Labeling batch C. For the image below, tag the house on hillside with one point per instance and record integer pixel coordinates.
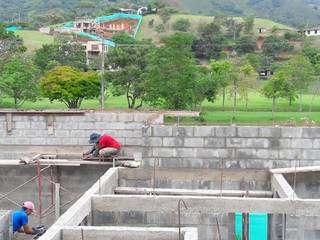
(315, 31)
(261, 30)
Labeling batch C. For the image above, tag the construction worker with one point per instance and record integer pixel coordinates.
(20, 220)
(104, 145)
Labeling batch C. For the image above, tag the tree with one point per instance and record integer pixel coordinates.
(66, 54)
(165, 14)
(222, 71)
(234, 28)
(171, 73)
(18, 80)
(129, 62)
(70, 85)
(277, 87)
(182, 25)
(302, 74)
(273, 46)
(245, 44)
(248, 24)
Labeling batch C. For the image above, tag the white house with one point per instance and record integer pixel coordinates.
(315, 31)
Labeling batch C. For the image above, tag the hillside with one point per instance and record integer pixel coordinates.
(147, 31)
(291, 12)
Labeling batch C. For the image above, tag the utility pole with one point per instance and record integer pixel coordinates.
(102, 77)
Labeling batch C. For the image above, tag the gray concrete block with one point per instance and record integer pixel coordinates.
(279, 143)
(313, 132)
(66, 125)
(126, 117)
(269, 132)
(30, 133)
(125, 133)
(21, 125)
(247, 131)
(69, 141)
(164, 152)
(133, 126)
(101, 125)
(301, 143)
(289, 154)
(172, 142)
(78, 133)
(186, 152)
(213, 153)
(290, 132)
(236, 142)
(109, 117)
(86, 125)
(193, 142)
(311, 154)
(62, 133)
(162, 131)
(267, 154)
(132, 217)
(38, 141)
(38, 125)
(257, 143)
(153, 141)
(215, 142)
(54, 141)
(204, 131)
(22, 141)
(83, 141)
(225, 131)
(146, 131)
(152, 218)
(316, 143)
(183, 131)
(141, 117)
(137, 133)
(245, 153)
(133, 141)
(117, 125)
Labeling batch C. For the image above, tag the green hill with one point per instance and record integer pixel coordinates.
(147, 31)
(34, 39)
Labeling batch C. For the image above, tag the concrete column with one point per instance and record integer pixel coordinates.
(57, 200)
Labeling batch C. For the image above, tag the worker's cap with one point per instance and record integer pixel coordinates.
(94, 138)
(29, 205)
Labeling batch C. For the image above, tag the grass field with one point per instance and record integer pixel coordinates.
(258, 112)
(33, 39)
(149, 32)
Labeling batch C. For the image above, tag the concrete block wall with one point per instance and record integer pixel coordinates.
(5, 225)
(69, 133)
(232, 147)
(302, 227)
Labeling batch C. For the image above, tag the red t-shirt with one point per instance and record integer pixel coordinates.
(106, 141)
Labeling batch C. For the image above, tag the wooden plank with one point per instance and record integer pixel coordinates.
(192, 192)
(117, 158)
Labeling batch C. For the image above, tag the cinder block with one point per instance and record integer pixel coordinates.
(204, 131)
(310, 154)
(209, 153)
(21, 125)
(83, 141)
(70, 141)
(117, 125)
(86, 125)
(236, 142)
(289, 132)
(141, 117)
(248, 131)
(257, 143)
(225, 131)
(153, 141)
(30, 133)
(269, 132)
(267, 154)
(193, 142)
(132, 217)
(152, 218)
(316, 143)
(313, 132)
(162, 131)
(186, 152)
(101, 125)
(38, 141)
(126, 117)
(133, 126)
(246, 153)
(279, 143)
(301, 143)
(61, 133)
(78, 133)
(146, 131)
(54, 141)
(289, 154)
(66, 125)
(133, 141)
(22, 141)
(125, 133)
(137, 133)
(215, 142)
(185, 131)
(164, 152)
(38, 125)
(172, 142)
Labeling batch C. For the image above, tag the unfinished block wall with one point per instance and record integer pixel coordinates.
(233, 147)
(5, 225)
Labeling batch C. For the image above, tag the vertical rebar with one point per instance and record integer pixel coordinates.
(82, 234)
(221, 177)
(156, 161)
(218, 228)
(39, 190)
(179, 215)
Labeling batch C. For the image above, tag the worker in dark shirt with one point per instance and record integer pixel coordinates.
(104, 145)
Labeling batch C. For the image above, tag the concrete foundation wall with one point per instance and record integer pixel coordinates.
(302, 227)
(232, 147)
(5, 225)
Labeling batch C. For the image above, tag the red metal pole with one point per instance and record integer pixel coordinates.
(39, 190)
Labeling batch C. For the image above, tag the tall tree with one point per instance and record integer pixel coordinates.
(248, 24)
(171, 73)
(19, 80)
(274, 45)
(70, 85)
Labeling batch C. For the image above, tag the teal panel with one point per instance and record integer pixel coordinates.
(258, 228)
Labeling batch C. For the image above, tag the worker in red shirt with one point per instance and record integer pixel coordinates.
(104, 145)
